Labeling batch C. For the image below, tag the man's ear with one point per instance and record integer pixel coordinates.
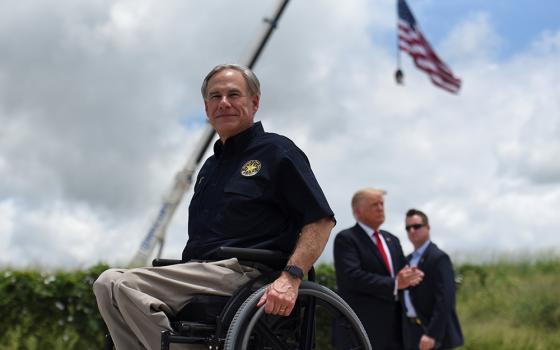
(255, 101)
(206, 109)
(356, 213)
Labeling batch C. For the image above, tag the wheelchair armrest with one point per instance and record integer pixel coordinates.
(272, 258)
(165, 262)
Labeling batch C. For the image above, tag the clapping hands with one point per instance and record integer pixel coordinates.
(409, 276)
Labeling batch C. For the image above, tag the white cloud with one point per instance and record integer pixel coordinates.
(7, 212)
(100, 106)
(474, 39)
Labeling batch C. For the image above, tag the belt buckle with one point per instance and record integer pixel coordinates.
(415, 320)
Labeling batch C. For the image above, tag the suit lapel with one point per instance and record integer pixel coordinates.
(367, 241)
(425, 256)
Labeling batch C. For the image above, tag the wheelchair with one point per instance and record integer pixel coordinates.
(235, 323)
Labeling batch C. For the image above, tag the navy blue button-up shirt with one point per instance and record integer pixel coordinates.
(256, 191)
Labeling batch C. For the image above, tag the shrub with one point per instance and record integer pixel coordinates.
(49, 310)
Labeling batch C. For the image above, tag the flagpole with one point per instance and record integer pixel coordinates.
(399, 75)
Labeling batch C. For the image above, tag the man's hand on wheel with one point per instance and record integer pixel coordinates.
(280, 296)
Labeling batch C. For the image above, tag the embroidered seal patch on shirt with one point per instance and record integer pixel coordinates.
(250, 168)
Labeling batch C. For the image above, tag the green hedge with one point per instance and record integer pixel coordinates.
(57, 310)
(42, 310)
(508, 305)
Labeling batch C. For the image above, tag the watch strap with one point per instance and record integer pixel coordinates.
(294, 271)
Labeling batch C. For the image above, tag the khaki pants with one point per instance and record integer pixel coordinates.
(135, 303)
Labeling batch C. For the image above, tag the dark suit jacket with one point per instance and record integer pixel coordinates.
(364, 282)
(434, 299)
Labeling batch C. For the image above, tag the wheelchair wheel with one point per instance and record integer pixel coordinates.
(252, 328)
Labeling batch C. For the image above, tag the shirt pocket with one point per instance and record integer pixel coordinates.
(243, 208)
(244, 188)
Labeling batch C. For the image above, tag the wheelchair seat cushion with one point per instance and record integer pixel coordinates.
(202, 308)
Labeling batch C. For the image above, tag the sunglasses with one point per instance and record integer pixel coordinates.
(414, 226)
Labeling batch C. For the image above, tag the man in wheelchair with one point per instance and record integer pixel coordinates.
(256, 191)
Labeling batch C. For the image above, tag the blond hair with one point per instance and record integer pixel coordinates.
(358, 196)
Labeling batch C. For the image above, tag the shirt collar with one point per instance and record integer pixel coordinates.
(366, 228)
(420, 251)
(238, 142)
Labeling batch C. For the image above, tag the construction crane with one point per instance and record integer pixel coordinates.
(183, 179)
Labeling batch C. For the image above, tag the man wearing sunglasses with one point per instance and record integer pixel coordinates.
(430, 319)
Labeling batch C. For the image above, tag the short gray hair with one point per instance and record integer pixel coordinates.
(253, 83)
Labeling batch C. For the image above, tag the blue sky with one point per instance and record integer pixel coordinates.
(518, 22)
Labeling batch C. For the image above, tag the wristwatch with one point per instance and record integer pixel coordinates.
(294, 271)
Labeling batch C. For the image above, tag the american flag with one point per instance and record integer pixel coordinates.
(412, 40)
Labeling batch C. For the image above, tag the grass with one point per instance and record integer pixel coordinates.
(510, 305)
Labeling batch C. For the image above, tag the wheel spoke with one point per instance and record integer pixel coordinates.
(308, 326)
(277, 343)
(250, 324)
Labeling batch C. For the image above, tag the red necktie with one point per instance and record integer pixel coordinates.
(382, 250)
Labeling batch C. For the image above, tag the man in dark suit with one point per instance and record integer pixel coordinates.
(370, 269)
(430, 320)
